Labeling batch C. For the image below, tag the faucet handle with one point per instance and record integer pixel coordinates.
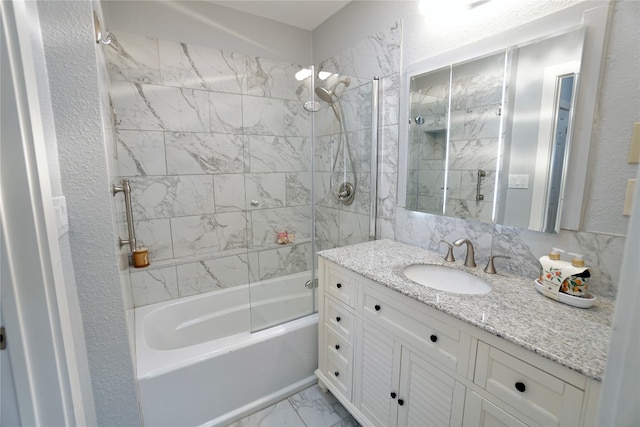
(490, 268)
(449, 257)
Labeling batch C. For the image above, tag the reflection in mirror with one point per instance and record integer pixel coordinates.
(538, 131)
(489, 137)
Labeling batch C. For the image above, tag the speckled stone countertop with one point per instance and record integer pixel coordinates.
(514, 310)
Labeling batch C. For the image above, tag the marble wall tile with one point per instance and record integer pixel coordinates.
(279, 154)
(204, 153)
(386, 228)
(327, 224)
(196, 67)
(155, 234)
(204, 276)
(474, 154)
(266, 223)
(194, 235)
(356, 107)
(603, 253)
(275, 79)
(297, 120)
(354, 228)
(133, 58)
(390, 100)
(387, 196)
(152, 107)
(469, 209)
(171, 196)
(154, 285)
(376, 55)
(141, 153)
(287, 259)
(475, 123)
(229, 192)
(298, 189)
(388, 155)
(263, 116)
(269, 189)
(225, 112)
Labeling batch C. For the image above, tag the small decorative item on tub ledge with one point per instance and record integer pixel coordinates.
(141, 257)
(285, 237)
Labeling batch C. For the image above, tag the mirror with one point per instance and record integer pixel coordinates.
(489, 137)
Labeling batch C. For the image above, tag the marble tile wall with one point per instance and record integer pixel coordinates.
(202, 134)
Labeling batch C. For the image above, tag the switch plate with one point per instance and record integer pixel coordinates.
(62, 219)
(634, 150)
(518, 180)
(628, 196)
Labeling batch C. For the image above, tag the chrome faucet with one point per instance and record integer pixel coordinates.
(469, 261)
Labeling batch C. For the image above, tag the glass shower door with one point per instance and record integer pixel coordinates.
(278, 187)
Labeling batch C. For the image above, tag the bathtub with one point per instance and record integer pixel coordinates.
(199, 364)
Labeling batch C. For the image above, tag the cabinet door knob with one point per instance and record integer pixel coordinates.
(520, 387)
(377, 307)
(400, 402)
(338, 285)
(433, 338)
(337, 318)
(336, 373)
(337, 346)
(393, 394)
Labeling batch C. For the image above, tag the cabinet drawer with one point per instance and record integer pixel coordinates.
(338, 318)
(340, 286)
(338, 373)
(337, 346)
(544, 398)
(437, 340)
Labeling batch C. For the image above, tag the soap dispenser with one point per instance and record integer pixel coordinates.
(578, 283)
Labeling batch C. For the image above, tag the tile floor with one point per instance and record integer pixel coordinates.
(308, 408)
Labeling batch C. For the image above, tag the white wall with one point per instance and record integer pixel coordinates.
(70, 50)
(204, 24)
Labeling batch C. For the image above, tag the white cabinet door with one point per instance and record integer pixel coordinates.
(479, 412)
(428, 396)
(376, 391)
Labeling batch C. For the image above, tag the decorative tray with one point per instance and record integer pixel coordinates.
(580, 302)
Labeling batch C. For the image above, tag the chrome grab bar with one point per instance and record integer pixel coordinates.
(126, 189)
(481, 174)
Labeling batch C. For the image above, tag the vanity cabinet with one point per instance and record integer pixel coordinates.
(394, 361)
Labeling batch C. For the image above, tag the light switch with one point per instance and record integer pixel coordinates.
(628, 196)
(634, 150)
(518, 180)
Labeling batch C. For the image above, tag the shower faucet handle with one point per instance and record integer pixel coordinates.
(449, 257)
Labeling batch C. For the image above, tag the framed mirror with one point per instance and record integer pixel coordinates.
(492, 130)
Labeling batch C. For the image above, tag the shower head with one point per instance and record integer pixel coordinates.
(327, 95)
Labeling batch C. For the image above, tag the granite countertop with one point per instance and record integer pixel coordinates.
(514, 310)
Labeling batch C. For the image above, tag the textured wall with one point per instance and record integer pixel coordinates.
(71, 59)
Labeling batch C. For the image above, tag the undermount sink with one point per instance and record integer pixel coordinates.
(446, 279)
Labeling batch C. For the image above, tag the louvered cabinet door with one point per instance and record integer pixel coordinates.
(430, 397)
(379, 368)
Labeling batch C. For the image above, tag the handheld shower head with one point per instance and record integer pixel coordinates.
(327, 95)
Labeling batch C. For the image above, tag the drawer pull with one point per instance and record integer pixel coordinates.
(433, 338)
(520, 387)
(337, 318)
(400, 402)
(338, 285)
(336, 373)
(393, 394)
(377, 307)
(337, 346)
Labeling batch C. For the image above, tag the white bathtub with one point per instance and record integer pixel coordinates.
(199, 364)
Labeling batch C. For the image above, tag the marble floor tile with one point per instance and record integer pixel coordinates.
(281, 414)
(316, 408)
(308, 408)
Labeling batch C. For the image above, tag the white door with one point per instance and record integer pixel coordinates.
(31, 281)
